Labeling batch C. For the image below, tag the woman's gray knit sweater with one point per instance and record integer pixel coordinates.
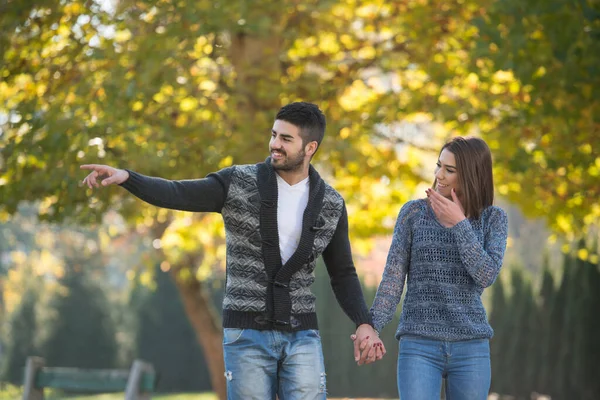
(446, 270)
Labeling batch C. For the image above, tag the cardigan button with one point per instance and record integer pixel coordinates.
(261, 320)
(294, 322)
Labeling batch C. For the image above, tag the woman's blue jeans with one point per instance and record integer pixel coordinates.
(423, 364)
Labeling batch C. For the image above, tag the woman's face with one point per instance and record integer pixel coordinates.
(446, 175)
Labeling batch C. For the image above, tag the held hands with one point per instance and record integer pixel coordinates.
(109, 175)
(368, 348)
(448, 212)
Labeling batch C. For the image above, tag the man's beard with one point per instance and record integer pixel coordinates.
(289, 163)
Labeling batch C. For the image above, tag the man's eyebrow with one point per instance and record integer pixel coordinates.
(285, 135)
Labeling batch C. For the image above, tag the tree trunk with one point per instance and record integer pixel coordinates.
(256, 95)
(256, 60)
(200, 313)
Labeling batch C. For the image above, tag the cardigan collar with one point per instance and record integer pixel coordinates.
(279, 275)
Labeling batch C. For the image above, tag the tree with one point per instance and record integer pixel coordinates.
(21, 338)
(547, 352)
(82, 333)
(179, 89)
(344, 377)
(165, 338)
(518, 350)
(546, 56)
(583, 352)
(499, 344)
(546, 345)
(593, 325)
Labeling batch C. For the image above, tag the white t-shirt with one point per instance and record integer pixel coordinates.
(292, 201)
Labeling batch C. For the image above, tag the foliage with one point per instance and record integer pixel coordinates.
(500, 342)
(344, 377)
(181, 89)
(547, 57)
(10, 392)
(21, 338)
(81, 331)
(544, 341)
(165, 338)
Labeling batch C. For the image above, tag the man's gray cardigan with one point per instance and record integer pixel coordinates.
(260, 292)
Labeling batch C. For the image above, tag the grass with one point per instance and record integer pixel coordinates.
(16, 393)
(13, 393)
(10, 392)
(119, 396)
(185, 396)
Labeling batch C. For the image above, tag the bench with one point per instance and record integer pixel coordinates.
(137, 383)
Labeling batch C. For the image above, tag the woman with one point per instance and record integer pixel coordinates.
(448, 248)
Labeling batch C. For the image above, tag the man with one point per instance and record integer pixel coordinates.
(280, 216)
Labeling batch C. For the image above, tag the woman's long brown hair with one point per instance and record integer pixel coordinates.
(474, 168)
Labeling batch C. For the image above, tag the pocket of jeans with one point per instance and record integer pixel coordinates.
(232, 335)
(316, 333)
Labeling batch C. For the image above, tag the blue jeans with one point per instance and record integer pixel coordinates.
(262, 364)
(423, 363)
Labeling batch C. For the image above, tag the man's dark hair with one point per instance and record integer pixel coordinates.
(307, 117)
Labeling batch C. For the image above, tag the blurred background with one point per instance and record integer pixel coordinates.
(178, 89)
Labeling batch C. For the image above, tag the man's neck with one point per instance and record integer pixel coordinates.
(293, 177)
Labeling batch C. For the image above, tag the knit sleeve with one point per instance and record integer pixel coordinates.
(204, 195)
(344, 280)
(390, 289)
(483, 262)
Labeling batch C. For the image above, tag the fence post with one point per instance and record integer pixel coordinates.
(132, 391)
(30, 392)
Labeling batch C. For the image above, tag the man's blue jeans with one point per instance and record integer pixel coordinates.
(423, 363)
(262, 364)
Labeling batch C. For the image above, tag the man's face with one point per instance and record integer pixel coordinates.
(287, 150)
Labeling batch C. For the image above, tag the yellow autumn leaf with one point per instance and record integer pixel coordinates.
(367, 53)
(159, 98)
(226, 162)
(188, 104)
(182, 120)
(208, 86)
(586, 148)
(122, 36)
(137, 106)
(63, 30)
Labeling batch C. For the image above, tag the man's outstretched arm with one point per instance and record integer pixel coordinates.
(207, 194)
